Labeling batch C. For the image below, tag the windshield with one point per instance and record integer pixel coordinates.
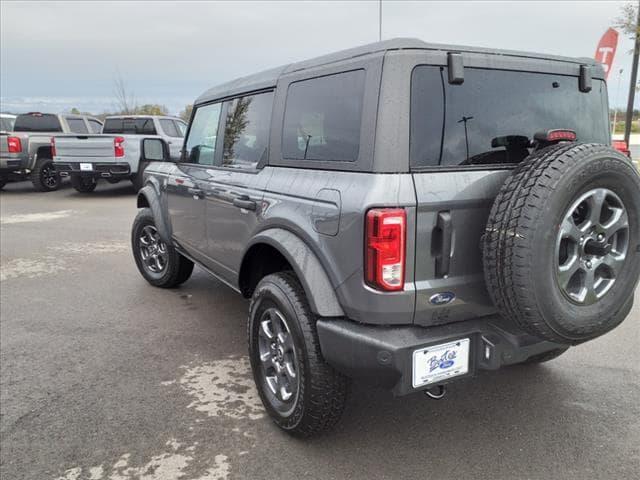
(492, 117)
(37, 122)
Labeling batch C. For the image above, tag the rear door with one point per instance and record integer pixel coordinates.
(187, 184)
(464, 141)
(236, 186)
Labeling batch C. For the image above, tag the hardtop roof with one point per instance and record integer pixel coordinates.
(268, 78)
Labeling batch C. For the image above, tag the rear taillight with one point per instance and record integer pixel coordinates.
(385, 248)
(118, 146)
(53, 147)
(14, 145)
(621, 146)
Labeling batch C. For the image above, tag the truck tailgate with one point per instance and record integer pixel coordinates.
(85, 146)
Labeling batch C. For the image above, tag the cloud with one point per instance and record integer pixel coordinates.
(171, 52)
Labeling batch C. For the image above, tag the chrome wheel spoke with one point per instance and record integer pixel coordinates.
(570, 230)
(619, 222)
(566, 273)
(614, 263)
(596, 202)
(592, 246)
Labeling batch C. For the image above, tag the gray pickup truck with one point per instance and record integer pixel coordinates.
(114, 154)
(26, 151)
(404, 213)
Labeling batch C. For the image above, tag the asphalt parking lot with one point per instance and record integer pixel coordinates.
(105, 377)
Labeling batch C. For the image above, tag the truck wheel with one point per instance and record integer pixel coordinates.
(546, 356)
(160, 264)
(561, 250)
(83, 184)
(301, 392)
(44, 176)
(3, 182)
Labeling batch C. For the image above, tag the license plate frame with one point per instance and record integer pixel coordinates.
(437, 363)
(86, 167)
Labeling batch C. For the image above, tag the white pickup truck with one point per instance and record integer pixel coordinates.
(114, 154)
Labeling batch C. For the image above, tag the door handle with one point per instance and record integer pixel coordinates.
(245, 202)
(196, 192)
(441, 243)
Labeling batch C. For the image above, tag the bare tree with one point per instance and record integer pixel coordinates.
(124, 98)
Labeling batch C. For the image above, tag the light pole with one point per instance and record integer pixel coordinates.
(634, 79)
(615, 109)
(380, 21)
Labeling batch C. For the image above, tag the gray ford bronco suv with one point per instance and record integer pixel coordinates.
(401, 212)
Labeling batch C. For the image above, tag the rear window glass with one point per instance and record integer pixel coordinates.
(322, 118)
(37, 122)
(136, 126)
(77, 125)
(169, 128)
(492, 116)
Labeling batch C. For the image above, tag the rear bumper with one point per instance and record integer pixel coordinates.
(11, 163)
(98, 169)
(384, 355)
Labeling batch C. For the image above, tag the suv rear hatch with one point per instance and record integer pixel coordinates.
(464, 141)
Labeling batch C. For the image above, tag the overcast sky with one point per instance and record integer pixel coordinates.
(55, 56)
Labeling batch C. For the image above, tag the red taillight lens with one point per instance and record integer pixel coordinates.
(385, 243)
(53, 147)
(621, 146)
(118, 146)
(14, 145)
(561, 135)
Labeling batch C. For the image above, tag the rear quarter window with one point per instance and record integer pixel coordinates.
(37, 122)
(323, 117)
(491, 117)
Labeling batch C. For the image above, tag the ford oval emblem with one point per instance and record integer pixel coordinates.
(442, 298)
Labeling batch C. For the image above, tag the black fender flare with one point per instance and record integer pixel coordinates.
(315, 281)
(150, 198)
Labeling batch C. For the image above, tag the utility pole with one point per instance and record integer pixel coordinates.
(634, 80)
(380, 21)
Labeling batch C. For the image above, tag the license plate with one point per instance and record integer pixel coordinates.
(440, 362)
(86, 167)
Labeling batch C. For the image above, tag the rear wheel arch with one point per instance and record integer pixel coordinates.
(276, 250)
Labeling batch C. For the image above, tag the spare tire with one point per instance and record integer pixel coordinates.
(561, 251)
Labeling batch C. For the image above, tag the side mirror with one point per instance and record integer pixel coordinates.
(154, 150)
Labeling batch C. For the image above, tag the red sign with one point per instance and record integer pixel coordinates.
(607, 49)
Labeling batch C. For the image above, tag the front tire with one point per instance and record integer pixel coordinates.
(84, 184)
(160, 264)
(301, 392)
(44, 176)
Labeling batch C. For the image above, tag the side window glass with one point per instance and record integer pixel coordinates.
(77, 125)
(201, 142)
(181, 127)
(246, 133)
(96, 127)
(168, 127)
(323, 116)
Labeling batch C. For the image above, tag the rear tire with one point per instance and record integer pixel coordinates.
(560, 252)
(44, 176)
(160, 264)
(84, 184)
(317, 393)
(3, 182)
